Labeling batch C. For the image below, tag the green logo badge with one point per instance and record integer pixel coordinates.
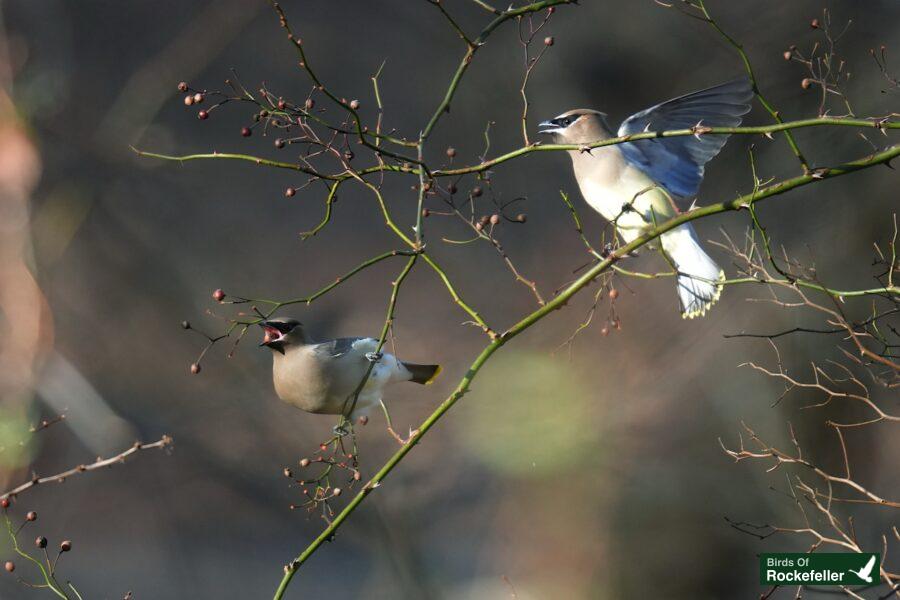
(827, 568)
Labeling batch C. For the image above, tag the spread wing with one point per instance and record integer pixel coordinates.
(677, 163)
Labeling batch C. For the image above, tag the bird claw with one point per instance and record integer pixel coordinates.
(374, 356)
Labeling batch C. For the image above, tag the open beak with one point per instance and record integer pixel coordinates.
(547, 127)
(272, 333)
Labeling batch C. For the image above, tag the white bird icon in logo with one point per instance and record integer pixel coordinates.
(866, 572)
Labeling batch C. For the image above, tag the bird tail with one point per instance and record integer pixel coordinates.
(424, 374)
(699, 277)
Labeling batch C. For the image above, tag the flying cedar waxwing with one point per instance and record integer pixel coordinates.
(322, 377)
(637, 184)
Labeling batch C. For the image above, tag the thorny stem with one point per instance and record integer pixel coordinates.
(879, 124)
(762, 99)
(741, 202)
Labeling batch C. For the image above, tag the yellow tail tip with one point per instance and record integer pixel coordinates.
(436, 373)
(701, 312)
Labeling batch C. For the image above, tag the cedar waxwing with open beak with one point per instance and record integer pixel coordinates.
(637, 184)
(322, 377)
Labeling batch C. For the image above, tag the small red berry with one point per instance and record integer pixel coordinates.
(203, 115)
(451, 152)
(188, 100)
(451, 189)
(4, 503)
(304, 462)
(31, 516)
(425, 213)
(41, 542)
(604, 331)
(198, 98)
(787, 55)
(195, 368)
(290, 192)
(281, 105)
(548, 41)
(10, 566)
(354, 104)
(218, 295)
(246, 131)
(182, 87)
(337, 491)
(613, 294)
(476, 191)
(814, 23)
(309, 104)
(279, 143)
(65, 546)
(806, 83)
(495, 219)
(521, 218)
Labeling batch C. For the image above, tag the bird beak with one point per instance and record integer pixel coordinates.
(272, 333)
(547, 127)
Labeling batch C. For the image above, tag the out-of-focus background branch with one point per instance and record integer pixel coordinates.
(561, 470)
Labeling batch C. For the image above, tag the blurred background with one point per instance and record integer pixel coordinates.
(586, 472)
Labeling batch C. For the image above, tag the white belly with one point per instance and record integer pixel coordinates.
(627, 198)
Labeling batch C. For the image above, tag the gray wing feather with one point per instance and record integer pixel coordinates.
(339, 347)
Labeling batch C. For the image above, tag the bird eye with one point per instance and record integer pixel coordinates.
(566, 122)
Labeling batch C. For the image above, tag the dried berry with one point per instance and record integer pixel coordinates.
(31, 516)
(309, 104)
(521, 218)
(195, 368)
(281, 105)
(290, 192)
(198, 98)
(188, 100)
(41, 542)
(182, 87)
(354, 104)
(451, 188)
(613, 294)
(185, 325)
(337, 491)
(787, 55)
(10, 566)
(495, 219)
(548, 41)
(451, 152)
(218, 295)
(476, 191)
(304, 462)
(65, 546)
(814, 23)
(806, 83)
